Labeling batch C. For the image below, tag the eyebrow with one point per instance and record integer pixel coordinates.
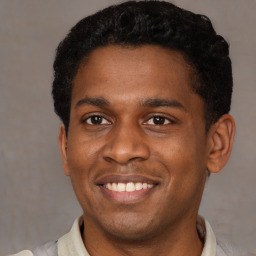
(157, 102)
(98, 102)
(151, 102)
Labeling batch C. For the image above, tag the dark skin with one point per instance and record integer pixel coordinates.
(135, 119)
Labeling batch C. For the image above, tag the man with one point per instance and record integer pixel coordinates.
(143, 90)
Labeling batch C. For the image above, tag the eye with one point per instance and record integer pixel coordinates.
(96, 120)
(159, 120)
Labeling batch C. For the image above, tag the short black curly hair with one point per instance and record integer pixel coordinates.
(137, 23)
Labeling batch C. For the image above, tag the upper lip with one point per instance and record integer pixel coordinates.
(118, 178)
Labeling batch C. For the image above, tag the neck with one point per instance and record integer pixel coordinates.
(180, 240)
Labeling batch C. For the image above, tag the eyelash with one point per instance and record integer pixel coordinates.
(162, 119)
(85, 120)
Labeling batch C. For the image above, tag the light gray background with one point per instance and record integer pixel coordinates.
(37, 201)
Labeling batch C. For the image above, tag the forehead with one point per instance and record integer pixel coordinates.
(144, 70)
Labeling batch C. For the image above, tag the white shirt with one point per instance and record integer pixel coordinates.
(71, 244)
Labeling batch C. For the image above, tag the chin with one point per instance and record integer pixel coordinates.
(129, 234)
(130, 229)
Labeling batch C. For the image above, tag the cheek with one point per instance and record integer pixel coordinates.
(82, 159)
(184, 159)
(82, 153)
(81, 172)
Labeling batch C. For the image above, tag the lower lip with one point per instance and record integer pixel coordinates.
(126, 197)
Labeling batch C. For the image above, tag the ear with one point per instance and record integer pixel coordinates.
(221, 137)
(63, 149)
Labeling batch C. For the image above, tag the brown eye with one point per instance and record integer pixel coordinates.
(96, 120)
(158, 120)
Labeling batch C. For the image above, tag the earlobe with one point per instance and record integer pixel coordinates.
(63, 149)
(221, 137)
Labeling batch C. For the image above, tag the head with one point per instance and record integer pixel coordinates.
(143, 90)
(159, 23)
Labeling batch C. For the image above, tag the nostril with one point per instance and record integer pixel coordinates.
(125, 157)
(108, 159)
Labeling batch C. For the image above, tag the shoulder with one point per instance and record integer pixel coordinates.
(225, 249)
(49, 249)
(23, 253)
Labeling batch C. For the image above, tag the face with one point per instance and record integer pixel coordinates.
(136, 150)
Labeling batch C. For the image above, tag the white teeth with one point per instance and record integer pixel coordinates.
(114, 186)
(109, 186)
(128, 187)
(144, 185)
(120, 187)
(138, 186)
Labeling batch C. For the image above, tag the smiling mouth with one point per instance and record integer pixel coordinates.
(128, 187)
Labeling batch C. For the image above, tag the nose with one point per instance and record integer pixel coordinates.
(126, 144)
